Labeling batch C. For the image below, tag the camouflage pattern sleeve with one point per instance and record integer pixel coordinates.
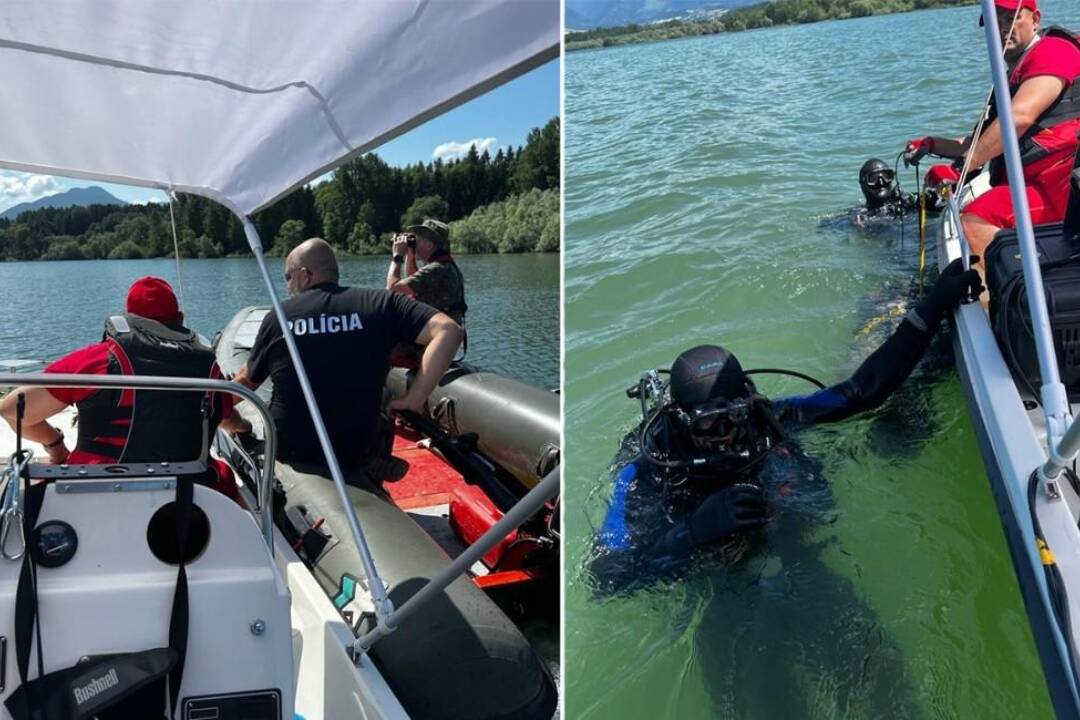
(438, 285)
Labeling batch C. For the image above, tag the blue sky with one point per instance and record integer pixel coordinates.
(502, 117)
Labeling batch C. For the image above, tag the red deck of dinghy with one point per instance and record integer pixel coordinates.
(433, 485)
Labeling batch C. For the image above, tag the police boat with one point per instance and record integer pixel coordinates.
(1019, 366)
(484, 442)
(131, 590)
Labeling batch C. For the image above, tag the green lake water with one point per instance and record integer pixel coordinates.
(49, 308)
(706, 187)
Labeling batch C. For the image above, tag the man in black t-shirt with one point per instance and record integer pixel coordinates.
(345, 336)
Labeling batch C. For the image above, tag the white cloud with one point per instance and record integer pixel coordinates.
(18, 188)
(453, 150)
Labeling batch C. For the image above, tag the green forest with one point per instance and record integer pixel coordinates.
(507, 203)
(769, 14)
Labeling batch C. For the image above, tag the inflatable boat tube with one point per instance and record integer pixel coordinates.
(517, 425)
(459, 656)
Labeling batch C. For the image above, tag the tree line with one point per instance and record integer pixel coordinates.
(501, 203)
(763, 15)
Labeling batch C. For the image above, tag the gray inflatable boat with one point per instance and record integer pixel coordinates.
(460, 656)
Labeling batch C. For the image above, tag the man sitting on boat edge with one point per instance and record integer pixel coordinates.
(150, 339)
(439, 283)
(345, 336)
(1043, 74)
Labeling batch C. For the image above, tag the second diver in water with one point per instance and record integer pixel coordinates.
(881, 193)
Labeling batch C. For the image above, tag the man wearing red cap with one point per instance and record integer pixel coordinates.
(129, 426)
(1043, 74)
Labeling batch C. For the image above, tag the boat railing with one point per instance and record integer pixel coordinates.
(386, 618)
(952, 216)
(264, 478)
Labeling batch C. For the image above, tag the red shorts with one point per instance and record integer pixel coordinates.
(1047, 196)
(1047, 188)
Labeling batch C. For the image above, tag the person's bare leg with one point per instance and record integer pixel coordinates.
(979, 233)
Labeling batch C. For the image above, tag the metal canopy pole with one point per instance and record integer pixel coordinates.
(1055, 401)
(524, 509)
(383, 606)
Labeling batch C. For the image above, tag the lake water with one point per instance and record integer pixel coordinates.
(706, 187)
(49, 308)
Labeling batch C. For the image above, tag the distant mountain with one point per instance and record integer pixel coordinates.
(92, 195)
(589, 14)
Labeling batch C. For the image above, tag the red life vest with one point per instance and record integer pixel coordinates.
(1066, 107)
(149, 425)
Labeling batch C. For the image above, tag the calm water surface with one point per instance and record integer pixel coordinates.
(48, 308)
(707, 183)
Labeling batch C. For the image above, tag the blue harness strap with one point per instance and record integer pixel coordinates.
(614, 533)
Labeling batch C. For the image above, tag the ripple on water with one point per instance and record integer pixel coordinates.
(706, 188)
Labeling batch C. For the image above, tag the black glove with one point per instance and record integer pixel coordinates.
(953, 286)
(739, 507)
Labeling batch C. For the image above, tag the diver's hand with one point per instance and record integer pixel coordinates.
(917, 149)
(739, 507)
(952, 287)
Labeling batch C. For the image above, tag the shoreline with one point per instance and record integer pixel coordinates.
(249, 256)
(744, 19)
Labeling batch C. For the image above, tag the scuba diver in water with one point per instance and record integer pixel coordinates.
(686, 478)
(710, 486)
(882, 192)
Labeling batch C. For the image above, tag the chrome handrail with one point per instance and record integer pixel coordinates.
(149, 382)
(952, 212)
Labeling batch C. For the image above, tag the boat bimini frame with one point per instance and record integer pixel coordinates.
(1049, 523)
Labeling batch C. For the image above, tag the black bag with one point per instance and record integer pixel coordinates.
(1059, 260)
(1058, 246)
(1072, 212)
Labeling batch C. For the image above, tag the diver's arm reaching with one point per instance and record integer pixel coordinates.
(888, 366)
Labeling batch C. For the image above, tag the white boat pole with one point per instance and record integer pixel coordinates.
(1055, 401)
(383, 606)
(524, 509)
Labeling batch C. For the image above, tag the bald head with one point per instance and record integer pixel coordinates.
(316, 255)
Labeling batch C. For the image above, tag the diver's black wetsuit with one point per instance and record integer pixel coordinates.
(898, 206)
(645, 535)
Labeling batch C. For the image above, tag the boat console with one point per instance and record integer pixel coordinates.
(106, 555)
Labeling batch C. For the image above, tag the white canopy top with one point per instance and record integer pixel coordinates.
(244, 100)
